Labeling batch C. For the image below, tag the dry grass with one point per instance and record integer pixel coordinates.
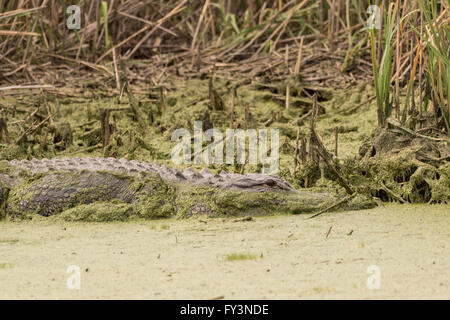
(277, 40)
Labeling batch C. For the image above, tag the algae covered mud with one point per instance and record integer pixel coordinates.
(276, 257)
(381, 164)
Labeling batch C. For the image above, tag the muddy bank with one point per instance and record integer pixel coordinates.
(403, 169)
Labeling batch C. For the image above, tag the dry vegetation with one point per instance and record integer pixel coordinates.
(279, 39)
(303, 47)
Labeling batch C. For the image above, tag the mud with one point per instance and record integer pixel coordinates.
(278, 257)
(403, 169)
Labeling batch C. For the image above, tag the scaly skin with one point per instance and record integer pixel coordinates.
(98, 189)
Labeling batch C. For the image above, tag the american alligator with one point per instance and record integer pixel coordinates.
(99, 189)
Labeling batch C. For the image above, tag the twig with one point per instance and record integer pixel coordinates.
(328, 232)
(87, 64)
(354, 108)
(343, 200)
(294, 165)
(400, 127)
(287, 97)
(36, 86)
(326, 156)
(392, 193)
(336, 141)
(232, 108)
(132, 100)
(299, 58)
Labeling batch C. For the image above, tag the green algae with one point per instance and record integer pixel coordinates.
(155, 198)
(98, 212)
(70, 189)
(217, 202)
(351, 111)
(400, 179)
(82, 115)
(240, 257)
